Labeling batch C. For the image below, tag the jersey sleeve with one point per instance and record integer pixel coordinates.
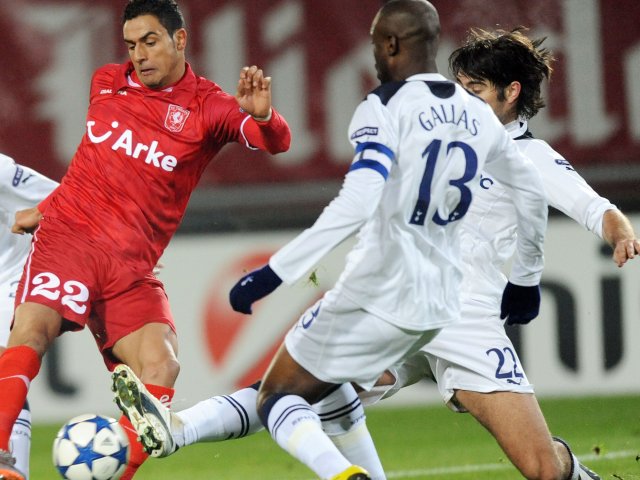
(524, 185)
(566, 189)
(22, 187)
(273, 136)
(358, 199)
(227, 122)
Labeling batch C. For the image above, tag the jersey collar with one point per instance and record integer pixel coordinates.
(180, 93)
(428, 76)
(517, 128)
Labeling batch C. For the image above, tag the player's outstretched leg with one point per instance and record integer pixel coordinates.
(150, 418)
(578, 471)
(353, 473)
(7, 469)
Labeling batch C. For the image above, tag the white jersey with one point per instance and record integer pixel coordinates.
(20, 188)
(476, 354)
(429, 139)
(488, 231)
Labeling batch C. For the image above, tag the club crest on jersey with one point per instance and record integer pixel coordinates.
(176, 118)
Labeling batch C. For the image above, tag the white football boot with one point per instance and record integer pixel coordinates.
(150, 418)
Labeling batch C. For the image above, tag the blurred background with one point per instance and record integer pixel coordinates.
(248, 204)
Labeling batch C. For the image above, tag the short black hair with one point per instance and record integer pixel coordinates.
(166, 11)
(502, 57)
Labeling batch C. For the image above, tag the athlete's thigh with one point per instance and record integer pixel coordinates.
(135, 325)
(340, 342)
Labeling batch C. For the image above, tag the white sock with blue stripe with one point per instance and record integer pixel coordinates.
(343, 419)
(297, 428)
(220, 418)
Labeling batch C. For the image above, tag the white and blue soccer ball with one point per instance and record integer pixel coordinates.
(91, 447)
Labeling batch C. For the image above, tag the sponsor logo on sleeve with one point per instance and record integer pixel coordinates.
(364, 131)
(17, 176)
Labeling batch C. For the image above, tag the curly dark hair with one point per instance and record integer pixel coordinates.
(166, 11)
(502, 57)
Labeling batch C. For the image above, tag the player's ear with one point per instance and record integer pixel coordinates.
(180, 39)
(512, 92)
(392, 45)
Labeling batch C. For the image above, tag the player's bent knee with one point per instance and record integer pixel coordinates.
(163, 371)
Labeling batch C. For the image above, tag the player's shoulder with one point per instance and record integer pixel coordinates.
(209, 91)
(107, 72)
(203, 84)
(104, 78)
(536, 148)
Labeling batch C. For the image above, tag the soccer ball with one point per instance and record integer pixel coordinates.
(91, 447)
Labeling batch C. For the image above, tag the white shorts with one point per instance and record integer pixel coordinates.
(339, 342)
(474, 354)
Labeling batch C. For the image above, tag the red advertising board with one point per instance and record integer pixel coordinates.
(319, 55)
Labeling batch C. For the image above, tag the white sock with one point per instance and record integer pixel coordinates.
(297, 428)
(343, 419)
(20, 441)
(220, 418)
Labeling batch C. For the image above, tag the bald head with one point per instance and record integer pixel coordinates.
(405, 35)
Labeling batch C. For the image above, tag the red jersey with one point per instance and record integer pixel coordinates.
(143, 152)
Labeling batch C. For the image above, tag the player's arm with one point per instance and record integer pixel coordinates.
(571, 194)
(357, 200)
(525, 187)
(265, 129)
(521, 297)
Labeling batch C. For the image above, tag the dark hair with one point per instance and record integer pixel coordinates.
(502, 57)
(166, 11)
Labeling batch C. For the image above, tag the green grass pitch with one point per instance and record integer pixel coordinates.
(414, 443)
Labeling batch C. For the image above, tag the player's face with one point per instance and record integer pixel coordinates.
(489, 93)
(157, 57)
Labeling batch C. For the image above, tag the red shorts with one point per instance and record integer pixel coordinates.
(89, 285)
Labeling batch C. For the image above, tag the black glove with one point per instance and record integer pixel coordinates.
(253, 286)
(520, 305)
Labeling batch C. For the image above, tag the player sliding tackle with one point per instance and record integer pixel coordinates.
(412, 180)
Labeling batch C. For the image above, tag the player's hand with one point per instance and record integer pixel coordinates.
(626, 250)
(252, 287)
(26, 221)
(254, 92)
(520, 305)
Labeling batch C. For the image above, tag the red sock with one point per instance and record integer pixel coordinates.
(137, 455)
(18, 366)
